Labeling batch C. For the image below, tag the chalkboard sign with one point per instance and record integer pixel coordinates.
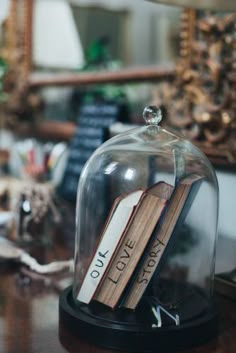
(92, 130)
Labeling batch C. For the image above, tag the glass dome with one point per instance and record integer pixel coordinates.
(146, 226)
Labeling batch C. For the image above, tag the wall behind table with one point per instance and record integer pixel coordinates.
(226, 247)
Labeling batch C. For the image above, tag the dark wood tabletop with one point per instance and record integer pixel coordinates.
(29, 312)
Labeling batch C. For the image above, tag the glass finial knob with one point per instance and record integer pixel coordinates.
(152, 115)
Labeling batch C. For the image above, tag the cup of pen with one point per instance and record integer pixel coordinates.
(36, 212)
(35, 207)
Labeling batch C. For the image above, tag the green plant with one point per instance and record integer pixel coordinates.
(3, 70)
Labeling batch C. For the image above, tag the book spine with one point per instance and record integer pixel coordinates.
(110, 238)
(130, 252)
(157, 248)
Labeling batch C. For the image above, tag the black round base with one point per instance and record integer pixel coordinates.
(106, 328)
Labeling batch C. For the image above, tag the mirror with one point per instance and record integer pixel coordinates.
(80, 34)
(140, 36)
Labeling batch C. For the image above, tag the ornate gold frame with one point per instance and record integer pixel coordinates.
(18, 33)
(206, 115)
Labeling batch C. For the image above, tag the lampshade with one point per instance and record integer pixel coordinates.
(56, 42)
(4, 9)
(217, 5)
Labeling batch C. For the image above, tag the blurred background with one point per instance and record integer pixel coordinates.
(65, 63)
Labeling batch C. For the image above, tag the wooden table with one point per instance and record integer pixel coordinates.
(29, 314)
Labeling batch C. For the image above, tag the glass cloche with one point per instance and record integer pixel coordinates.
(146, 227)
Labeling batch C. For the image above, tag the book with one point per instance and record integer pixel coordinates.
(117, 220)
(174, 215)
(134, 241)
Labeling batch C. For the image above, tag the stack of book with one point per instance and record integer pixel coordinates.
(134, 240)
